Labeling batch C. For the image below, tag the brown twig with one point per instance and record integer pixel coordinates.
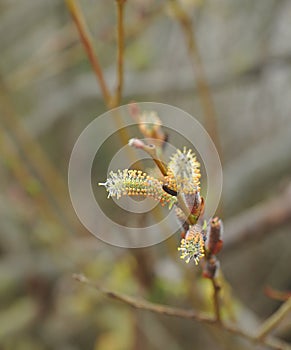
(277, 294)
(140, 24)
(274, 320)
(151, 150)
(93, 58)
(120, 50)
(142, 304)
(216, 290)
(87, 42)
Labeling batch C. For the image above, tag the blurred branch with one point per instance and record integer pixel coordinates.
(18, 317)
(274, 319)
(202, 84)
(89, 47)
(28, 181)
(277, 294)
(37, 159)
(142, 304)
(59, 52)
(154, 82)
(50, 65)
(259, 220)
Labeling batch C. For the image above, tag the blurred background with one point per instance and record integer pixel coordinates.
(49, 94)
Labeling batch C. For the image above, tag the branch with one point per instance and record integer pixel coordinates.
(92, 56)
(139, 303)
(120, 51)
(216, 290)
(142, 304)
(87, 42)
(259, 220)
(277, 294)
(274, 319)
(151, 151)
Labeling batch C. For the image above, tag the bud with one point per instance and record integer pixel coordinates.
(136, 143)
(149, 124)
(215, 242)
(134, 110)
(195, 203)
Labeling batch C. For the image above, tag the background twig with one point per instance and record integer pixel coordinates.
(216, 290)
(274, 319)
(89, 47)
(120, 50)
(273, 343)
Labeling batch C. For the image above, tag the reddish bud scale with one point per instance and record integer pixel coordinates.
(215, 242)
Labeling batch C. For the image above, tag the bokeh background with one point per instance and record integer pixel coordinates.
(48, 94)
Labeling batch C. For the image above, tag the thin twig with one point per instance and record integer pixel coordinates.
(274, 320)
(151, 150)
(142, 304)
(120, 50)
(87, 42)
(277, 294)
(216, 290)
